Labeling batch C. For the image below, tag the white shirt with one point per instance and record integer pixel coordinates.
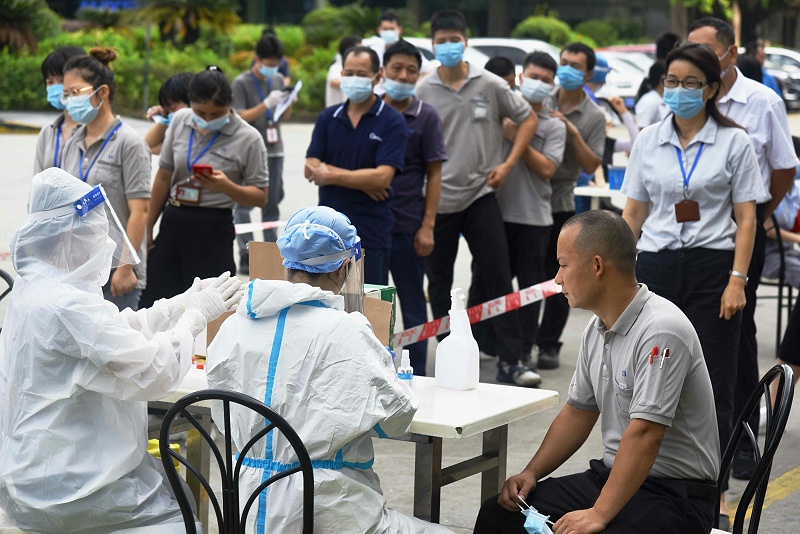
(763, 114)
(334, 96)
(726, 174)
(650, 109)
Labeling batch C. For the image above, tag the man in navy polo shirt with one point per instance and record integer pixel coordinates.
(355, 150)
(415, 201)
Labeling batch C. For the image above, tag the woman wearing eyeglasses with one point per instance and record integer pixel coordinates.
(106, 151)
(685, 178)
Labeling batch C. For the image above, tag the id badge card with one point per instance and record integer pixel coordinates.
(187, 194)
(272, 135)
(687, 211)
(479, 109)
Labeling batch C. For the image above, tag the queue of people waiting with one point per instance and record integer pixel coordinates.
(413, 158)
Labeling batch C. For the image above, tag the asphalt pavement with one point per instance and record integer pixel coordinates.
(395, 460)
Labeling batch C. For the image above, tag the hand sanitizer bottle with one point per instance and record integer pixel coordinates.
(405, 371)
(457, 363)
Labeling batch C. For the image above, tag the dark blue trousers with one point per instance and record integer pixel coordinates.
(408, 273)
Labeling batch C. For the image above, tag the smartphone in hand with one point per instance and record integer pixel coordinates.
(202, 170)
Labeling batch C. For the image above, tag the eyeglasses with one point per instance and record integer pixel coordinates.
(672, 83)
(75, 92)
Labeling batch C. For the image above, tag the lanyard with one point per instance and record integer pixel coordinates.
(80, 161)
(261, 95)
(58, 145)
(189, 161)
(691, 171)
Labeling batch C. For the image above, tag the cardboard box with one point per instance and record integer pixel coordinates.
(266, 263)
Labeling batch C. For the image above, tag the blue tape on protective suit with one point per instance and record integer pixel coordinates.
(94, 198)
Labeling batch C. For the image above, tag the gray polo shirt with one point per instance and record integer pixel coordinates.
(246, 95)
(472, 124)
(122, 168)
(239, 152)
(46, 145)
(591, 123)
(726, 173)
(615, 377)
(525, 197)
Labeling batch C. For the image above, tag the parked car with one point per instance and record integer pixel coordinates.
(648, 49)
(784, 65)
(513, 49)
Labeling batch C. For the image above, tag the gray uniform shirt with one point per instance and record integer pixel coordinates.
(49, 136)
(525, 197)
(122, 168)
(591, 123)
(246, 96)
(472, 124)
(726, 173)
(615, 377)
(239, 152)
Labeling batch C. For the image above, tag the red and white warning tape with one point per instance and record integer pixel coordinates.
(479, 312)
(246, 228)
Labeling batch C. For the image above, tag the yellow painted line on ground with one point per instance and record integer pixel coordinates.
(780, 488)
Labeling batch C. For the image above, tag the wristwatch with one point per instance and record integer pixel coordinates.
(737, 274)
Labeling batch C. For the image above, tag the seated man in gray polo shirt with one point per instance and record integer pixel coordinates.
(641, 366)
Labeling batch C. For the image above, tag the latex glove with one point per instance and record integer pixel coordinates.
(177, 305)
(221, 294)
(274, 98)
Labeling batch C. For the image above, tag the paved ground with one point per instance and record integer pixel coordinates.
(394, 460)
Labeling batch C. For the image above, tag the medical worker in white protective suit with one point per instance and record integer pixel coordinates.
(75, 372)
(291, 345)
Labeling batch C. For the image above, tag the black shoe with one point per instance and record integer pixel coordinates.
(548, 358)
(744, 465)
(244, 265)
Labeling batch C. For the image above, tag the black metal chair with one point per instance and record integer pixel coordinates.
(9, 280)
(228, 517)
(777, 415)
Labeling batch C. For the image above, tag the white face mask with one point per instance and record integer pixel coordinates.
(108, 257)
(720, 58)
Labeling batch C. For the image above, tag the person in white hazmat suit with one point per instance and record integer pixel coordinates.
(75, 372)
(291, 345)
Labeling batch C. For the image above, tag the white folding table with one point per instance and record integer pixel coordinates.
(443, 414)
(598, 192)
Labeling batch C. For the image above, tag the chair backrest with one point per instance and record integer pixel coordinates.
(228, 517)
(777, 415)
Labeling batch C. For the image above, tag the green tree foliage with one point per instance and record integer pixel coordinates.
(180, 21)
(552, 30)
(601, 31)
(18, 20)
(329, 24)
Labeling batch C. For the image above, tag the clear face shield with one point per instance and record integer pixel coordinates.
(353, 287)
(90, 208)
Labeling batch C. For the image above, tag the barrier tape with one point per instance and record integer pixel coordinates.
(5, 256)
(246, 228)
(479, 312)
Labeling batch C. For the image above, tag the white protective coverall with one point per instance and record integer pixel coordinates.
(323, 370)
(75, 375)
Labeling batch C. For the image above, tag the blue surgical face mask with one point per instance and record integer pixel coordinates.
(536, 523)
(356, 88)
(268, 72)
(685, 103)
(213, 124)
(398, 91)
(535, 90)
(80, 108)
(54, 93)
(449, 54)
(569, 77)
(390, 36)
(161, 119)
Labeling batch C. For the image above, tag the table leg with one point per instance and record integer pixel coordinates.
(198, 453)
(495, 444)
(428, 479)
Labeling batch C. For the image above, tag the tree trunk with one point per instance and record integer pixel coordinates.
(678, 17)
(499, 18)
(415, 11)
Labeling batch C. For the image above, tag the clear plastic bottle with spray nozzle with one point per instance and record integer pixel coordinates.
(405, 371)
(457, 356)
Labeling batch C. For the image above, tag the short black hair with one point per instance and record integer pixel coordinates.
(211, 85)
(402, 47)
(53, 64)
(500, 66)
(540, 59)
(269, 46)
(347, 43)
(725, 35)
(751, 68)
(752, 47)
(580, 48)
(175, 89)
(665, 43)
(390, 15)
(375, 62)
(448, 19)
(606, 234)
